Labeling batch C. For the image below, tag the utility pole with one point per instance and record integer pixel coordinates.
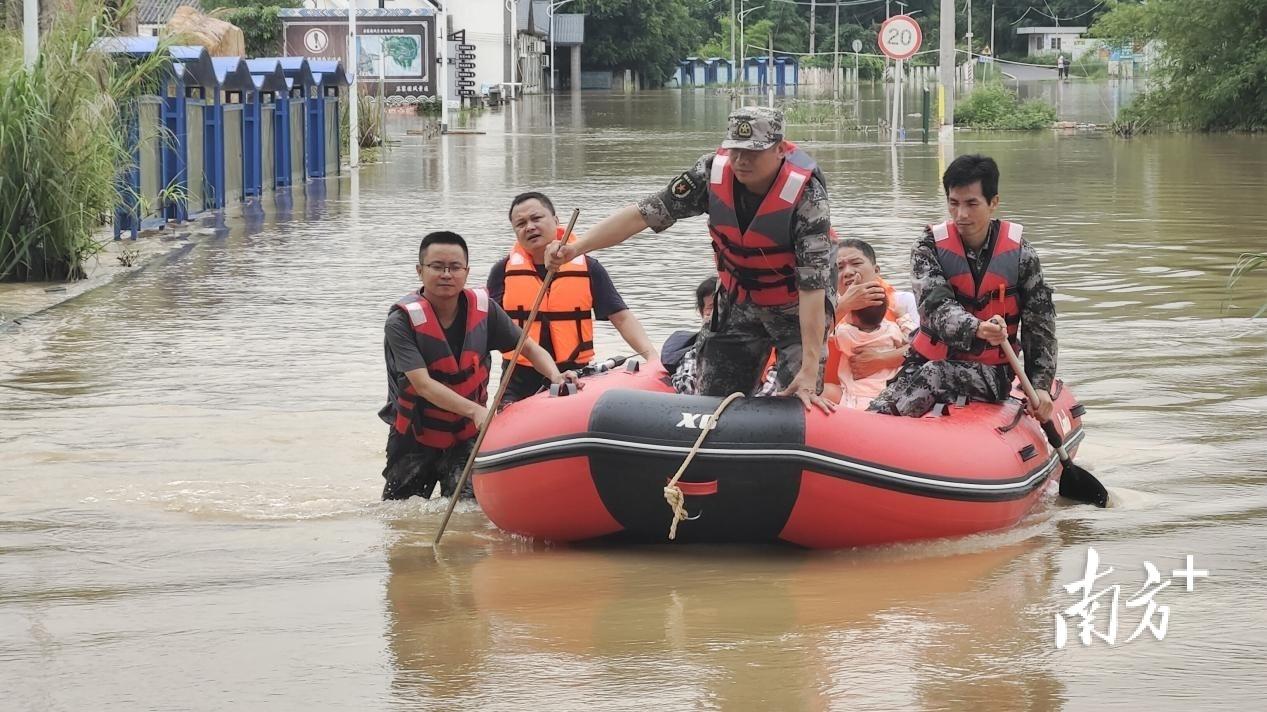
(969, 30)
(835, 65)
(947, 56)
(734, 56)
(442, 77)
(769, 70)
(813, 7)
(30, 32)
(354, 101)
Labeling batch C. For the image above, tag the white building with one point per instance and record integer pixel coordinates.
(487, 24)
(1071, 41)
(484, 22)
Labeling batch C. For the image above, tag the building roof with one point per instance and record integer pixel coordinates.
(1051, 30)
(569, 29)
(158, 12)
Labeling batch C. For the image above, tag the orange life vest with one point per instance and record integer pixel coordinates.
(567, 307)
(995, 294)
(465, 373)
(759, 264)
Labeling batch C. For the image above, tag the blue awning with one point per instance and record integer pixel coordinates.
(329, 73)
(232, 74)
(268, 75)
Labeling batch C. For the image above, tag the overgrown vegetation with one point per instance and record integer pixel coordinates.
(62, 148)
(819, 111)
(371, 117)
(993, 106)
(1212, 65)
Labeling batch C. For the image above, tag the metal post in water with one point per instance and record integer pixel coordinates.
(354, 101)
(928, 101)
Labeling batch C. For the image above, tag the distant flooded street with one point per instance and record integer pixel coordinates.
(190, 516)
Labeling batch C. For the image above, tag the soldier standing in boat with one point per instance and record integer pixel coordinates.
(969, 273)
(769, 219)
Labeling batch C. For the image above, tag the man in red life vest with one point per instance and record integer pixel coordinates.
(580, 292)
(967, 272)
(769, 219)
(437, 345)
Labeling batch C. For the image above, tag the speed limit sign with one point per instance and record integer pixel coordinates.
(900, 37)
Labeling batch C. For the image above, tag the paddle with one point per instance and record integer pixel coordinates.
(501, 390)
(1075, 483)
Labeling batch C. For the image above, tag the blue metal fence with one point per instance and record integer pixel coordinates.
(205, 107)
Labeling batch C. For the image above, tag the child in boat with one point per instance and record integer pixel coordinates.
(865, 329)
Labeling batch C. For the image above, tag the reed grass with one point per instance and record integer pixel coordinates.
(63, 142)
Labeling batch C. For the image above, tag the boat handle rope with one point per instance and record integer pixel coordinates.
(672, 493)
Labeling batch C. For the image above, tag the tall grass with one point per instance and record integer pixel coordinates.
(1248, 262)
(62, 142)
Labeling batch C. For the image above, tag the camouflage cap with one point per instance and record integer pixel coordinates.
(754, 128)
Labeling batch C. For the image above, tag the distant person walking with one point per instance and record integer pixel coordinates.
(1062, 68)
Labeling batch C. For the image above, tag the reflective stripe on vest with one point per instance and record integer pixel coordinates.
(759, 264)
(465, 373)
(568, 307)
(996, 294)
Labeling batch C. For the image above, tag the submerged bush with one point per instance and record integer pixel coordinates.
(61, 143)
(993, 106)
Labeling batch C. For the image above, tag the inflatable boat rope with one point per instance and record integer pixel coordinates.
(672, 494)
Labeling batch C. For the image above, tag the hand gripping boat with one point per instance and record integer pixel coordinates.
(594, 464)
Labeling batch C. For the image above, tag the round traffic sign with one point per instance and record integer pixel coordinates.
(857, 46)
(900, 37)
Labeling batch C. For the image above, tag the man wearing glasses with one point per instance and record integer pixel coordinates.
(438, 343)
(580, 292)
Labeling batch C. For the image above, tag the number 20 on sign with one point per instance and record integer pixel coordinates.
(900, 37)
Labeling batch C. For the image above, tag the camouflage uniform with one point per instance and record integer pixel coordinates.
(921, 383)
(734, 346)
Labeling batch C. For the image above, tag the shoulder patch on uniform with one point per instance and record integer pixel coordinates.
(683, 185)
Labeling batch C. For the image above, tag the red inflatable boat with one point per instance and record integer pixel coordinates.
(595, 464)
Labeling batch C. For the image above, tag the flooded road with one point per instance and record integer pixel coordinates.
(189, 458)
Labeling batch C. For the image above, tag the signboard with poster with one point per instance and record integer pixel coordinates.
(399, 45)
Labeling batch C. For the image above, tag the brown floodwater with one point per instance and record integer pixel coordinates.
(189, 457)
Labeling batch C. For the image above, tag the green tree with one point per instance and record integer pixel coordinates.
(648, 36)
(258, 19)
(1213, 59)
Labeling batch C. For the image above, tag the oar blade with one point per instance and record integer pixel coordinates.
(1082, 486)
